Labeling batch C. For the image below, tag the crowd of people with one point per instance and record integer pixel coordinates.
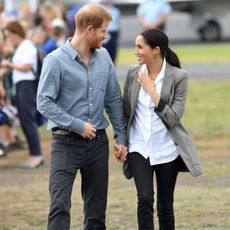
(24, 38)
(77, 83)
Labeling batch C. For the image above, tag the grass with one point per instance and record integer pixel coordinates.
(189, 54)
(200, 203)
(207, 111)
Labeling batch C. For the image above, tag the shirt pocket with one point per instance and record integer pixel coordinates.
(102, 79)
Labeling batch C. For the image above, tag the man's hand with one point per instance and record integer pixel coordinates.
(89, 131)
(120, 152)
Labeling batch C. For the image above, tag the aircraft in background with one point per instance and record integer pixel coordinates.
(205, 14)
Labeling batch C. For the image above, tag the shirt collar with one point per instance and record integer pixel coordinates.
(161, 75)
(73, 53)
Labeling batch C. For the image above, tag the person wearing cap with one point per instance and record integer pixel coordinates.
(111, 43)
(77, 84)
(154, 102)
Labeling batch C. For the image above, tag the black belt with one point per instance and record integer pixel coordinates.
(64, 132)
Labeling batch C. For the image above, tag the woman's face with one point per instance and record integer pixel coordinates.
(12, 38)
(145, 54)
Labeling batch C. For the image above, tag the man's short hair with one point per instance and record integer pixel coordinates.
(91, 14)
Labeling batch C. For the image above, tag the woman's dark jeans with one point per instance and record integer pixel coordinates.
(166, 175)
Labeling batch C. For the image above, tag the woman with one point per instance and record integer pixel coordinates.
(154, 101)
(24, 60)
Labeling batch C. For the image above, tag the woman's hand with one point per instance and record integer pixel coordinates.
(20, 67)
(120, 152)
(147, 84)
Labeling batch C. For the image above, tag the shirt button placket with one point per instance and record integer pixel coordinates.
(90, 93)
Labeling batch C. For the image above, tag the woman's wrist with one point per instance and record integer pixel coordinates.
(155, 97)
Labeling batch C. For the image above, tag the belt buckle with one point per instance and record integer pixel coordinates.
(61, 132)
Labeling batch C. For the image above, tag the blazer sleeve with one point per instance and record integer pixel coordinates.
(171, 111)
(126, 96)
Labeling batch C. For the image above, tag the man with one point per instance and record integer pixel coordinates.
(152, 14)
(77, 82)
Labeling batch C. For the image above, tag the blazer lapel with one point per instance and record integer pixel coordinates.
(167, 83)
(165, 91)
(134, 91)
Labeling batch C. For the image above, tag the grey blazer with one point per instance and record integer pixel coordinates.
(170, 110)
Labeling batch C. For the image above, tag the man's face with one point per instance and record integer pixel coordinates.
(98, 35)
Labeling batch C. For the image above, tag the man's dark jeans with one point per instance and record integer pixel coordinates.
(70, 154)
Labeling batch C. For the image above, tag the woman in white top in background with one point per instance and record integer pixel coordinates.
(24, 60)
(154, 102)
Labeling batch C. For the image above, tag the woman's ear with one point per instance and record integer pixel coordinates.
(157, 49)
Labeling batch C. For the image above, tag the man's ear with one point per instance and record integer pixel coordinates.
(90, 28)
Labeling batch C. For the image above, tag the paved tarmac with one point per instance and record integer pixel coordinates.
(212, 72)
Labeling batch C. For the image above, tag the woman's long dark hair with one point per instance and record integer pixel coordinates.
(155, 37)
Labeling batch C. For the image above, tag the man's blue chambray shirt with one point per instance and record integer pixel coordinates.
(70, 93)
